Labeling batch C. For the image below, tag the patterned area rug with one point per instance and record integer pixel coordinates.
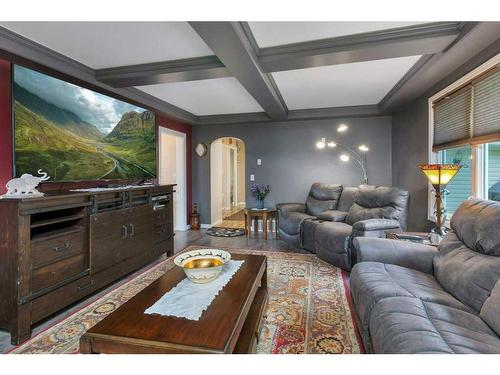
(225, 232)
(308, 312)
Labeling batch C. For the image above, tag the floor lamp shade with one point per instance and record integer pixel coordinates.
(440, 175)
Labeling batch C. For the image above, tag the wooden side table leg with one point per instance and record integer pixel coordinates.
(276, 224)
(256, 225)
(264, 226)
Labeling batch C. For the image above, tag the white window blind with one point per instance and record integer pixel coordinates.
(470, 114)
(452, 117)
(486, 105)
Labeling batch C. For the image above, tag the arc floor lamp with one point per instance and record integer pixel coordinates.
(323, 143)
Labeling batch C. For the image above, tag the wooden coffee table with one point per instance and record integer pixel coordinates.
(231, 324)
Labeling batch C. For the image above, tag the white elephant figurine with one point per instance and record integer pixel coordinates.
(25, 185)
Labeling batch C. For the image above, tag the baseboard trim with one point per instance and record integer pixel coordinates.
(184, 228)
(205, 226)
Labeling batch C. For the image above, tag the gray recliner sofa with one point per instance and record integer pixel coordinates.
(414, 298)
(332, 215)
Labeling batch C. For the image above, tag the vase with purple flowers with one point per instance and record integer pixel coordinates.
(259, 191)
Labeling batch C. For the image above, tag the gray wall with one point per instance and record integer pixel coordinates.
(290, 159)
(410, 138)
(409, 149)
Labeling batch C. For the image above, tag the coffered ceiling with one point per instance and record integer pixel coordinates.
(206, 97)
(361, 83)
(227, 72)
(270, 34)
(108, 44)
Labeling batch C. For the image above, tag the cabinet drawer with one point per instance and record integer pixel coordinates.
(56, 273)
(58, 248)
(162, 216)
(164, 247)
(51, 302)
(163, 232)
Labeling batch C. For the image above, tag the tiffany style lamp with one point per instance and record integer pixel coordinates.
(440, 175)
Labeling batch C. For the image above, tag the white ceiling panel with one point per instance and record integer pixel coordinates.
(207, 97)
(109, 44)
(268, 34)
(362, 83)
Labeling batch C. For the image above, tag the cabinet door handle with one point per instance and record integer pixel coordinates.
(125, 231)
(65, 246)
(132, 230)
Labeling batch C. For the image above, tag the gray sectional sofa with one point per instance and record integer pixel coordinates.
(413, 298)
(333, 215)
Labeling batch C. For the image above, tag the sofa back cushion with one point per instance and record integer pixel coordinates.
(322, 197)
(379, 202)
(347, 198)
(468, 262)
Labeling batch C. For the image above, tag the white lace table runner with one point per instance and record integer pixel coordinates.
(189, 300)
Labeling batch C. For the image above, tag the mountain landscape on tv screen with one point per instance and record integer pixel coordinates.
(120, 144)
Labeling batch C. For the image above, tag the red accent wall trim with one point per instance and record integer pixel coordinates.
(5, 124)
(168, 123)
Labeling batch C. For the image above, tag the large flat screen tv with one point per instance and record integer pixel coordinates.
(74, 134)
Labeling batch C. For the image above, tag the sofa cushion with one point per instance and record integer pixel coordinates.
(469, 275)
(322, 197)
(379, 202)
(372, 282)
(332, 215)
(476, 224)
(410, 325)
(290, 222)
(347, 198)
(332, 243)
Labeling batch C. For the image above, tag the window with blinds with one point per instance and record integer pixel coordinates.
(469, 115)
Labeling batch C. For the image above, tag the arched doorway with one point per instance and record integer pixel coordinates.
(227, 182)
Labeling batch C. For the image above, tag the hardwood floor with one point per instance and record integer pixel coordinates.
(182, 240)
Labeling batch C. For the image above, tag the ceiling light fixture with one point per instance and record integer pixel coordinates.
(321, 143)
(342, 128)
(344, 157)
(359, 158)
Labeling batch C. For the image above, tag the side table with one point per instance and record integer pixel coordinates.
(264, 214)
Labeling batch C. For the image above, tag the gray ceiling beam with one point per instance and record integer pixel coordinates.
(230, 43)
(423, 39)
(192, 69)
(293, 115)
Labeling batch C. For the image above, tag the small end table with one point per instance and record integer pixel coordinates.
(264, 214)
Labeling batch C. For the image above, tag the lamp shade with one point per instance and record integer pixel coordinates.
(440, 174)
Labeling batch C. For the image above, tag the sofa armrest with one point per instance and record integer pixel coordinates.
(291, 207)
(375, 224)
(332, 215)
(401, 253)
